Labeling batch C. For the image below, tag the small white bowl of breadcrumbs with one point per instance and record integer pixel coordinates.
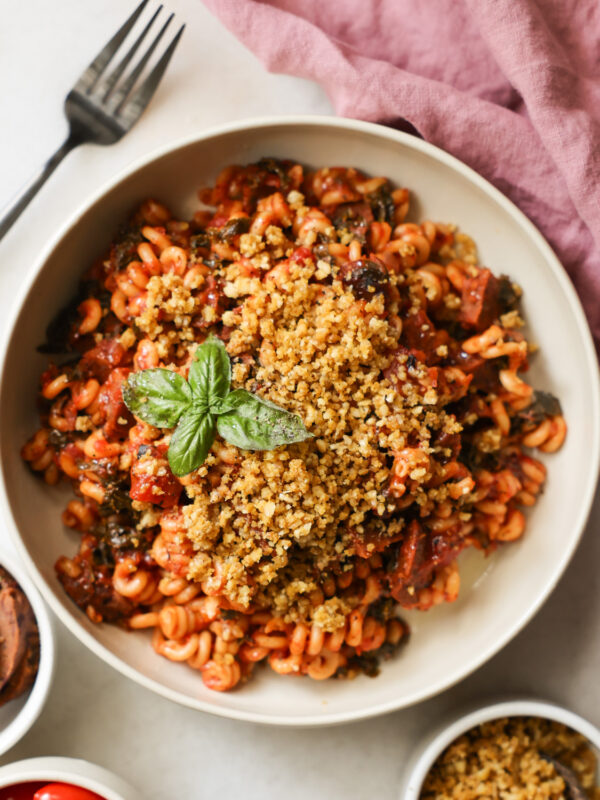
(518, 749)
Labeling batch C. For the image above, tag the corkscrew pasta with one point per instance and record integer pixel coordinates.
(403, 356)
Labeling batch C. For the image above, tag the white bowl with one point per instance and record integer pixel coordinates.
(446, 733)
(500, 595)
(75, 771)
(17, 716)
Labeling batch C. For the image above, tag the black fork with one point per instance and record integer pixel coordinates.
(101, 108)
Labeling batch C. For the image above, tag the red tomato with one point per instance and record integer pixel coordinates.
(64, 791)
(152, 481)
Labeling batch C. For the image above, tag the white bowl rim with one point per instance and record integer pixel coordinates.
(75, 771)
(518, 707)
(570, 296)
(38, 694)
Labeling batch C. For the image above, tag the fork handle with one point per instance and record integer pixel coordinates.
(28, 192)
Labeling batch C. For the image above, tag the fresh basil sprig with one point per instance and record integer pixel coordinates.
(202, 405)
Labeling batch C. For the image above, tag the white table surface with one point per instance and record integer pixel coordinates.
(93, 712)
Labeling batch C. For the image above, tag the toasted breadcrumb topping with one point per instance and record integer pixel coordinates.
(277, 520)
(168, 300)
(505, 758)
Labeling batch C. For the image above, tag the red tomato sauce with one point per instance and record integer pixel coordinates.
(39, 790)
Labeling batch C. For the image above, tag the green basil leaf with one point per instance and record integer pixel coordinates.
(251, 423)
(191, 441)
(210, 372)
(158, 396)
(235, 400)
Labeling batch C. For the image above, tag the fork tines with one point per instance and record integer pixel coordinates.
(116, 94)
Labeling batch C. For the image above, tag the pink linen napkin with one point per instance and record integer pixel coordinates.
(511, 87)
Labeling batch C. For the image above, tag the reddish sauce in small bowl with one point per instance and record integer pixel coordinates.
(38, 790)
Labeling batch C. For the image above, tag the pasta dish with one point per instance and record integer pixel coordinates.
(284, 420)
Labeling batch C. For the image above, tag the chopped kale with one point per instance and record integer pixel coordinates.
(475, 459)
(368, 663)
(233, 228)
(59, 329)
(508, 299)
(213, 262)
(544, 405)
(200, 240)
(60, 439)
(117, 533)
(382, 609)
(382, 204)
(103, 554)
(128, 237)
(276, 167)
(116, 499)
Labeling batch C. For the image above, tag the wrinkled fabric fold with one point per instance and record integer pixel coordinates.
(510, 87)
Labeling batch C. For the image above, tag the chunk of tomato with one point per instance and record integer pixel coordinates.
(64, 791)
(152, 480)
